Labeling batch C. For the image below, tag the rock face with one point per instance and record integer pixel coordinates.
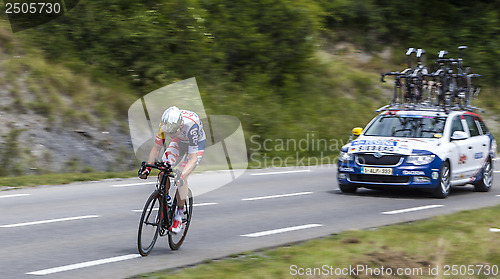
(53, 144)
(53, 120)
(43, 147)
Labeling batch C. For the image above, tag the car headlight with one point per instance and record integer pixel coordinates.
(344, 156)
(420, 159)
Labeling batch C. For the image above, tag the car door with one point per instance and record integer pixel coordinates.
(458, 150)
(478, 145)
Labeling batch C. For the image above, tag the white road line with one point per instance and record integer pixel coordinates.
(196, 204)
(133, 184)
(277, 196)
(257, 234)
(84, 264)
(412, 209)
(494, 230)
(498, 195)
(497, 171)
(280, 172)
(140, 210)
(13, 196)
(205, 204)
(49, 221)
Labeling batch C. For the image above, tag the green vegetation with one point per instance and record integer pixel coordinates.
(286, 69)
(61, 95)
(459, 239)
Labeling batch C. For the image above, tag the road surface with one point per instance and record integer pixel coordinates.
(89, 230)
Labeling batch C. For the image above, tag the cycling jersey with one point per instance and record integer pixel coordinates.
(192, 133)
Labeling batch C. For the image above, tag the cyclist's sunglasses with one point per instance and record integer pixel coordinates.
(174, 132)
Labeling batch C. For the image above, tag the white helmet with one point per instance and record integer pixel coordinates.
(171, 120)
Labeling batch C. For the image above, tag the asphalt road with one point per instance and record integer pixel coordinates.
(89, 230)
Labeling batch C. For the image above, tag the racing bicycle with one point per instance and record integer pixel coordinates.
(158, 215)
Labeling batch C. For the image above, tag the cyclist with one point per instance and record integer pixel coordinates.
(187, 137)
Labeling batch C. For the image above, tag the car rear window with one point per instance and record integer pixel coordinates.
(484, 129)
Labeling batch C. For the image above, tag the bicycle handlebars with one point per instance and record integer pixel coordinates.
(390, 74)
(162, 166)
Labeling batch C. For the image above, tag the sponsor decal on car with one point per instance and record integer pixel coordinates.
(376, 148)
(406, 172)
(462, 159)
(374, 142)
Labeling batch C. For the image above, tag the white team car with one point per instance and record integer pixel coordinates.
(429, 149)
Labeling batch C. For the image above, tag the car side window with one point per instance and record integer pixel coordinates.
(484, 129)
(471, 123)
(456, 125)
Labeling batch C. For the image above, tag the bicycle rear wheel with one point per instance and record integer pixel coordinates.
(175, 240)
(150, 224)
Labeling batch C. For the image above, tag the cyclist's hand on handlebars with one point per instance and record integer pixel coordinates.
(144, 172)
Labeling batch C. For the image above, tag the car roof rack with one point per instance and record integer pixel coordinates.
(448, 86)
(427, 107)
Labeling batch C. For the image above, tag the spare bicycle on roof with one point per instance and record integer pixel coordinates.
(449, 86)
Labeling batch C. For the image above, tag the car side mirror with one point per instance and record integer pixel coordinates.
(357, 131)
(459, 135)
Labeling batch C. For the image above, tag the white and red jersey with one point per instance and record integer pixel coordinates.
(192, 132)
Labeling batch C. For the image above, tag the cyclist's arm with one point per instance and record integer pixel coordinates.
(151, 160)
(192, 150)
(155, 151)
(191, 164)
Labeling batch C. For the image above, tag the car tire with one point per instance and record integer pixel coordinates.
(444, 184)
(486, 181)
(347, 188)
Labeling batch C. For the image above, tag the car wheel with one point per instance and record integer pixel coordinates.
(444, 185)
(486, 181)
(347, 188)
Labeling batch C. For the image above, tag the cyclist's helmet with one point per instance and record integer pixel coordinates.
(171, 120)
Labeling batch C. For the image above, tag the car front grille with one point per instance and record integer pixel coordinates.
(375, 178)
(385, 160)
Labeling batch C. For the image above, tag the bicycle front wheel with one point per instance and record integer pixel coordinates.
(150, 224)
(175, 240)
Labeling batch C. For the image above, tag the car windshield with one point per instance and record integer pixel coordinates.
(407, 126)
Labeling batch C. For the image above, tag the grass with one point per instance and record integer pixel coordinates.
(461, 239)
(60, 178)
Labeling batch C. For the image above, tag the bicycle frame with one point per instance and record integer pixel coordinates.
(166, 222)
(163, 179)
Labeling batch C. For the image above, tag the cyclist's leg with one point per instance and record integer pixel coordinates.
(183, 190)
(172, 153)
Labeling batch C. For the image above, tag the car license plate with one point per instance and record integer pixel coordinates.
(383, 171)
